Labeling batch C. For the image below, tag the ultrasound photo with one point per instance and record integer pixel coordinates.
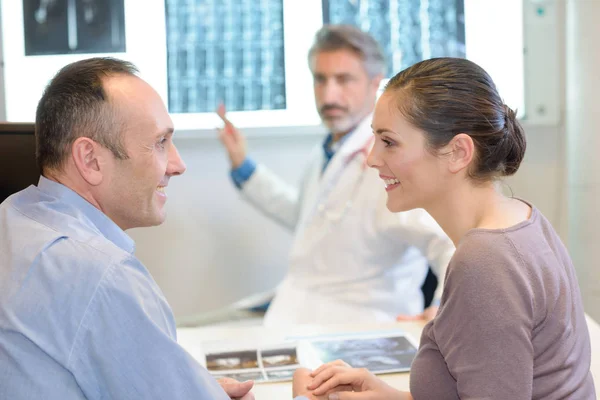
(73, 26)
(232, 360)
(379, 355)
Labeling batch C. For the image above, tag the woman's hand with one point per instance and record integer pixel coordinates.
(364, 385)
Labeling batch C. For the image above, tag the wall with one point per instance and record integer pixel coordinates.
(540, 179)
(583, 164)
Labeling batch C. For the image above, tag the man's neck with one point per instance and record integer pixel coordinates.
(338, 136)
(74, 184)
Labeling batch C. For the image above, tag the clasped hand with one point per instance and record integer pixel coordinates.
(338, 381)
(237, 390)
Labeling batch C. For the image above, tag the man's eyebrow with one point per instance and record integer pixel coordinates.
(165, 132)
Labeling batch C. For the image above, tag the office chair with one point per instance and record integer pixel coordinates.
(428, 287)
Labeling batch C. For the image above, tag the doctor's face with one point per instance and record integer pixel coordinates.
(413, 176)
(344, 92)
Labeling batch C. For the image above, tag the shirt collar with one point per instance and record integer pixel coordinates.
(97, 218)
(330, 147)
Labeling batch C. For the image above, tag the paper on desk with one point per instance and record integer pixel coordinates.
(380, 352)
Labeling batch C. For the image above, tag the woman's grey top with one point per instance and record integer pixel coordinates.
(511, 323)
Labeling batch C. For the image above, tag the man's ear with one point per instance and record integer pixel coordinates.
(461, 150)
(88, 159)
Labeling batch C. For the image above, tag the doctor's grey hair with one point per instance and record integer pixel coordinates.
(349, 37)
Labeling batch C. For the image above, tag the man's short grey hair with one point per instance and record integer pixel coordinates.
(349, 37)
(75, 104)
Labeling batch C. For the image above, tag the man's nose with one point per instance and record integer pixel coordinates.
(176, 166)
(331, 92)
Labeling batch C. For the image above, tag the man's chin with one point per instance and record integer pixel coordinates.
(161, 218)
(338, 126)
(157, 219)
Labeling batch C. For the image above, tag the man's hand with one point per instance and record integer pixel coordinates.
(237, 390)
(360, 384)
(300, 382)
(233, 141)
(427, 315)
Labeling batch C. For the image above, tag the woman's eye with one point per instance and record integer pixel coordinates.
(387, 142)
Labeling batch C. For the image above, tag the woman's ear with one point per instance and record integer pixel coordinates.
(87, 156)
(462, 152)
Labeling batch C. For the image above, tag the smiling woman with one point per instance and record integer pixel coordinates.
(408, 169)
(421, 120)
(511, 320)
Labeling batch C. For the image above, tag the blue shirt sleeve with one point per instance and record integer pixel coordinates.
(126, 346)
(300, 398)
(242, 173)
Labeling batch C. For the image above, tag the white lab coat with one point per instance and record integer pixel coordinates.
(352, 260)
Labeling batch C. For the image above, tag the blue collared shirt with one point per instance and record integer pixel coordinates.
(242, 173)
(328, 150)
(80, 316)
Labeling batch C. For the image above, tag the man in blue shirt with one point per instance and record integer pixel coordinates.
(80, 316)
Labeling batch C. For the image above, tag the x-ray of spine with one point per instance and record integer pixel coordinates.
(73, 26)
(408, 30)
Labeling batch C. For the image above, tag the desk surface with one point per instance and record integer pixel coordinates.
(191, 339)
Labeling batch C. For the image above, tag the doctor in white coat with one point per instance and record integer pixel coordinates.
(351, 260)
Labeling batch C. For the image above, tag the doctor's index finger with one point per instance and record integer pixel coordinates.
(222, 113)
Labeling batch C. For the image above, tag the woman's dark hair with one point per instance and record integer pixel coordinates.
(447, 96)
